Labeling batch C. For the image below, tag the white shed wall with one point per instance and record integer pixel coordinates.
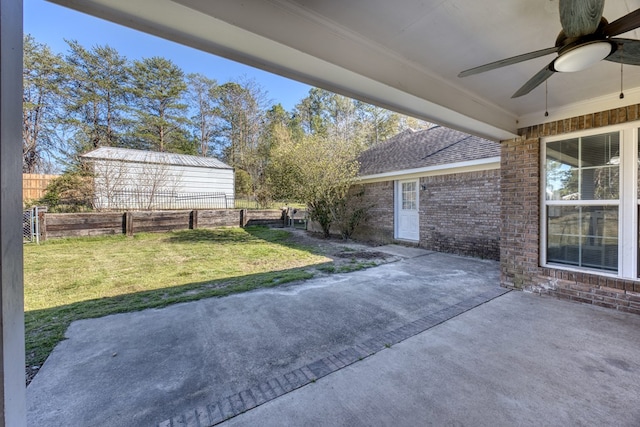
(134, 185)
(195, 180)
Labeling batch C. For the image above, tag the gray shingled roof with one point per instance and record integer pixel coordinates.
(141, 156)
(430, 147)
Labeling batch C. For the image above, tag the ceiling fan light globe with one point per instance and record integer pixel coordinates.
(582, 57)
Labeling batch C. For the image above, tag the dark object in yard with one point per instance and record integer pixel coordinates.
(361, 255)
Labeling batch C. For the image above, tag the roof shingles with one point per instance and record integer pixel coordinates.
(430, 147)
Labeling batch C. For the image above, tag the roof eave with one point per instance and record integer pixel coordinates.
(445, 169)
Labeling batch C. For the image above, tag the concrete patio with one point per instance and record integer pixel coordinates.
(428, 340)
(518, 360)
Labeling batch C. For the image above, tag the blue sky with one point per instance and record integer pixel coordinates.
(52, 24)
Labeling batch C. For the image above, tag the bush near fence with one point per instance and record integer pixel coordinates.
(54, 225)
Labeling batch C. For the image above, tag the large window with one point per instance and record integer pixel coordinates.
(589, 208)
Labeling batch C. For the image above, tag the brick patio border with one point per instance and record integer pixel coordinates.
(231, 406)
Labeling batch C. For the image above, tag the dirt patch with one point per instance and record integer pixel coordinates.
(347, 255)
(362, 255)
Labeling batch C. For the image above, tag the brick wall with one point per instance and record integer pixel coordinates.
(520, 170)
(378, 228)
(459, 213)
(520, 215)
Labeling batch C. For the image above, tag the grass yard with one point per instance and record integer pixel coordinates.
(71, 279)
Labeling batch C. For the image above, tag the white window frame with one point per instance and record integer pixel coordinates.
(397, 194)
(628, 203)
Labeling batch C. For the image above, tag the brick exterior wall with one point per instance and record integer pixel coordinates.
(459, 213)
(520, 216)
(520, 170)
(378, 228)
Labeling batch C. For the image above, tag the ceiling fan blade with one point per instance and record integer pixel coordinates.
(580, 17)
(628, 22)
(535, 81)
(508, 61)
(628, 52)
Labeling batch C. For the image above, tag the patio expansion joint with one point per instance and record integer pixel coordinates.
(238, 403)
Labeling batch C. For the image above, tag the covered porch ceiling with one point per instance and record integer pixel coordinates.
(403, 55)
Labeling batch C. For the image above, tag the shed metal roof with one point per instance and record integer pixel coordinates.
(141, 156)
(429, 147)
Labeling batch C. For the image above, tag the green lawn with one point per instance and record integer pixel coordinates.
(71, 279)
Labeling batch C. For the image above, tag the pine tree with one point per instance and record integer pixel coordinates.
(159, 87)
(98, 93)
(44, 74)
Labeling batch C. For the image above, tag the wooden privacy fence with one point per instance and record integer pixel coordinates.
(34, 185)
(54, 225)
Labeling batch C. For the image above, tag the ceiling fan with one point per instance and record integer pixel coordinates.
(585, 39)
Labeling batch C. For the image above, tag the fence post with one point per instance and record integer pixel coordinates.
(42, 217)
(194, 219)
(243, 217)
(128, 223)
(36, 229)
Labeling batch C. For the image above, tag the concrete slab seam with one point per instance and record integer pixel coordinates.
(234, 405)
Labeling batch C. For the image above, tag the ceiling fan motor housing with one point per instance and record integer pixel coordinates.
(582, 55)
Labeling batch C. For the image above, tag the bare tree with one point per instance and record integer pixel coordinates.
(119, 184)
(110, 179)
(202, 98)
(242, 105)
(158, 186)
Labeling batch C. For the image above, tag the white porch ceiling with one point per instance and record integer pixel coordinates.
(404, 55)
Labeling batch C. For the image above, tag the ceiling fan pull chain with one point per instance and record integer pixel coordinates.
(546, 99)
(621, 70)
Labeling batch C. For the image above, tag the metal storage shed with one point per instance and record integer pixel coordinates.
(146, 180)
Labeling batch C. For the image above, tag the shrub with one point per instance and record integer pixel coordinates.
(316, 171)
(70, 192)
(351, 211)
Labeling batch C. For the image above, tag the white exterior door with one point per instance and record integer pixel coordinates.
(406, 210)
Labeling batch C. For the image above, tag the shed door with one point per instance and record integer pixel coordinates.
(406, 210)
